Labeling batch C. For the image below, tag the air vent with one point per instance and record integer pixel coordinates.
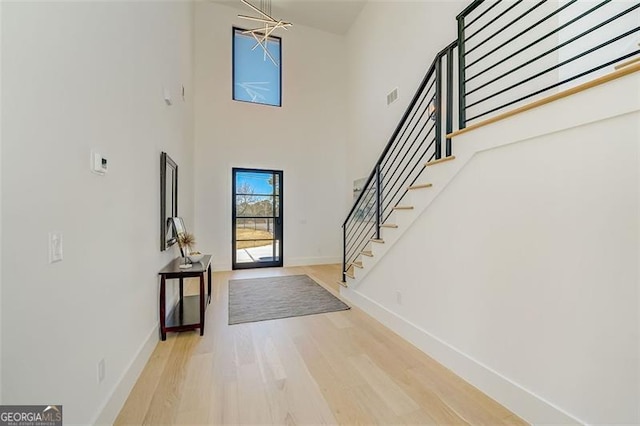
(392, 96)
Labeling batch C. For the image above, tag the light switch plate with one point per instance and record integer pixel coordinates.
(55, 247)
(98, 163)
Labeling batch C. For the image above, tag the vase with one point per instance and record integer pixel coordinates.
(185, 254)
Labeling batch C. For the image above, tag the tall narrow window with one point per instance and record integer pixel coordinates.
(257, 75)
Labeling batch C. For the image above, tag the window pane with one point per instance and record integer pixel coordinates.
(258, 251)
(253, 205)
(254, 183)
(253, 229)
(256, 78)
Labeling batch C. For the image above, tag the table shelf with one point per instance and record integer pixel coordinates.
(185, 313)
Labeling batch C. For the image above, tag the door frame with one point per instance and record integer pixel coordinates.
(278, 228)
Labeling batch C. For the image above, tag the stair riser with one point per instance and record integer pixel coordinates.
(389, 234)
(403, 218)
(379, 250)
(423, 179)
(421, 198)
(367, 263)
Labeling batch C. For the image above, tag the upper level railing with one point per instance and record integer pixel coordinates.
(508, 53)
(513, 52)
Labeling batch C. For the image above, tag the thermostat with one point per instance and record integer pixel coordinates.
(98, 164)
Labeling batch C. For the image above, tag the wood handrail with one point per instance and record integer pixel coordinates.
(626, 64)
(630, 69)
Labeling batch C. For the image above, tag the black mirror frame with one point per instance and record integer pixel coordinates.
(165, 217)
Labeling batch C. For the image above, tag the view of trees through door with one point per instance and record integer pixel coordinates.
(257, 218)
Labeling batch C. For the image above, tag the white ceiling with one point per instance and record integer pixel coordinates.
(334, 16)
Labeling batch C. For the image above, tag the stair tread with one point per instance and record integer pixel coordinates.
(367, 253)
(424, 185)
(388, 225)
(442, 160)
(350, 275)
(377, 240)
(357, 264)
(403, 208)
(342, 283)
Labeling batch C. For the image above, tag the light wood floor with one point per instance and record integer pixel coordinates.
(342, 367)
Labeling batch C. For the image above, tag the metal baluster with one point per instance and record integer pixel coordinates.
(378, 200)
(449, 110)
(462, 108)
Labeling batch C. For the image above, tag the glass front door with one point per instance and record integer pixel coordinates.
(256, 218)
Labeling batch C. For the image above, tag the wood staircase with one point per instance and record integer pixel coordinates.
(419, 196)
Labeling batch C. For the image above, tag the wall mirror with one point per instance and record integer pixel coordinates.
(168, 200)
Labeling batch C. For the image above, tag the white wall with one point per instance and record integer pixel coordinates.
(638, 292)
(391, 44)
(522, 275)
(0, 203)
(79, 76)
(305, 138)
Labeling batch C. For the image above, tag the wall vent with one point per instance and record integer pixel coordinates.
(392, 96)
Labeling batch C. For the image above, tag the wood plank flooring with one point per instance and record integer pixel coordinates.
(336, 368)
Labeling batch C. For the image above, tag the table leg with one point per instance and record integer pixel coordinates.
(209, 283)
(181, 304)
(202, 296)
(163, 330)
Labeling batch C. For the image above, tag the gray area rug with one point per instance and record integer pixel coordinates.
(260, 299)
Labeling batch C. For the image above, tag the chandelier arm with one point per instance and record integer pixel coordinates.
(251, 18)
(261, 35)
(261, 30)
(265, 49)
(266, 35)
(258, 10)
(255, 30)
(257, 39)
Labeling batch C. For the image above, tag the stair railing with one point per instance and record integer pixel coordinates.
(419, 137)
(512, 53)
(507, 53)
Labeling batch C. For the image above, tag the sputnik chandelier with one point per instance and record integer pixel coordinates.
(270, 25)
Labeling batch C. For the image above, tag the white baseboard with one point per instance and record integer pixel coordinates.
(307, 261)
(294, 261)
(111, 408)
(529, 406)
(221, 266)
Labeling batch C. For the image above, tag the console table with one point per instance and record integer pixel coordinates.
(188, 313)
